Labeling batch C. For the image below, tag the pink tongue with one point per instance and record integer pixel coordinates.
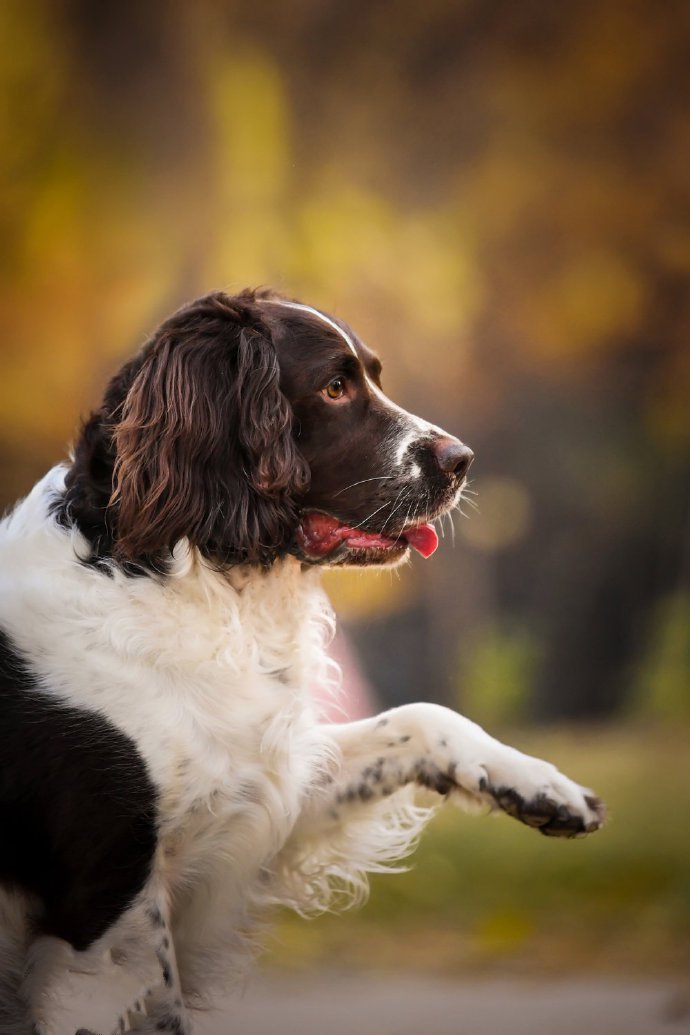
(320, 534)
(423, 539)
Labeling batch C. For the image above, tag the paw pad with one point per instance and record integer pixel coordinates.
(551, 818)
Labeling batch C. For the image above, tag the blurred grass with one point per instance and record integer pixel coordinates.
(486, 893)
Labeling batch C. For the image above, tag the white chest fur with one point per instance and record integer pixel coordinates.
(207, 673)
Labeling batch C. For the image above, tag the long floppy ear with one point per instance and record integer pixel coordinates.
(204, 445)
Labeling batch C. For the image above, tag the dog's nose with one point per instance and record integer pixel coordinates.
(453, 456)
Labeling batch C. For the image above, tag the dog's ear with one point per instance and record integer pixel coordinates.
(203, 440)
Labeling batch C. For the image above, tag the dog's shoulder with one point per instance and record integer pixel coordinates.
(194, 665)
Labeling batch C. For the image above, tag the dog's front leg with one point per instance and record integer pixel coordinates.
(435, 747)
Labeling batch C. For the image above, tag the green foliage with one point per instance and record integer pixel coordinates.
(662, 683)
(496, 677)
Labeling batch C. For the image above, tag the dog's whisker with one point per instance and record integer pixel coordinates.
(370, 516)
(406, 490)
(363, 481)
(410, 520)
(470, 502)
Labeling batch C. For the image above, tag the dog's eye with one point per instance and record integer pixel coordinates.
(335, 389)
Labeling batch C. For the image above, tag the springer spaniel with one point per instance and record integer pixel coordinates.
(165, 778)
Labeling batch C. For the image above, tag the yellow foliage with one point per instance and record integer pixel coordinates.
(359, 594)
(469, 217)
(596, 298)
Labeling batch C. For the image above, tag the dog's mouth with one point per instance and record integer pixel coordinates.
(321, 536)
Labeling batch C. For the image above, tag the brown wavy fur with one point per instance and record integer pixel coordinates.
(194, 439)
(203, 444)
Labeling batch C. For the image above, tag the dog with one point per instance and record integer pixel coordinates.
(165, 776)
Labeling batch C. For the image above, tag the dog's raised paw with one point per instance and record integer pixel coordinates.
(536, 793)
(549, 816)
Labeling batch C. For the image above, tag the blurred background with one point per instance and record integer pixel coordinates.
(496, 197)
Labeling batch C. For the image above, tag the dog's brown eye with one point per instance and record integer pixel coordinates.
(336, 388)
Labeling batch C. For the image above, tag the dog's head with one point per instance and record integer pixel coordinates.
(254, 426)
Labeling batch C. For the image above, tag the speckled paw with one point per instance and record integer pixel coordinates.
(551, 817)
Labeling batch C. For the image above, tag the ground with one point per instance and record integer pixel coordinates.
(355, 1004)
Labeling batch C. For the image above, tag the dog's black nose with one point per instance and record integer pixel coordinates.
(453, 456)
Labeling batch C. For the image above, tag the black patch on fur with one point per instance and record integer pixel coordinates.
(170, 1024)
(155, 916)
(77, 808)
(88, 488)
(542, 812)
(427, 774)
(373, 773)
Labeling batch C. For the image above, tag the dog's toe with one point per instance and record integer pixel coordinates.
(544, 813)
(553, 804)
